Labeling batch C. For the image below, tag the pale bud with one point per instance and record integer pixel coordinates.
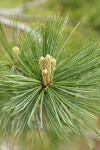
(45, 71)
(47, 66)
(16, 50)
(54, 61)
(41, 58)
(48, 56)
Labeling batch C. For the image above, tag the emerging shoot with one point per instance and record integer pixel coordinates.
(16, 53)
(47, 66)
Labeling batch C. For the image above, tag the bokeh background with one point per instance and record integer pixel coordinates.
(34, 12)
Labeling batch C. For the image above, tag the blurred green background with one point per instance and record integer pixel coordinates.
(84, 11)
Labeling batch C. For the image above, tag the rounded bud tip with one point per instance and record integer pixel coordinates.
(48, 56)
(16, 50)
(54, 60)
(45, 71)
(41, 58)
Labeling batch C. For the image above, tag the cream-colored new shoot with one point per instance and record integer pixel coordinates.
(47, 66)
(16, 52)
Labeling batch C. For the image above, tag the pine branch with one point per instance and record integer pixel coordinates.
(46, 91)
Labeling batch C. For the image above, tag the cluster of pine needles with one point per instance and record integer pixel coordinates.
(68, 105)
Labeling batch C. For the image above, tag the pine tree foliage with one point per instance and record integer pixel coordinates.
(68, 105)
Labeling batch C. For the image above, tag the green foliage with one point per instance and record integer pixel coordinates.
(70, 105)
